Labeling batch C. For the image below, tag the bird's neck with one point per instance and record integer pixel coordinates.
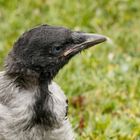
(28, 74)
(28, 78)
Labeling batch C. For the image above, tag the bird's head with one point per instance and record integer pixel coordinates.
(46, 49)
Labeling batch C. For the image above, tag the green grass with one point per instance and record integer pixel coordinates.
(103, 83)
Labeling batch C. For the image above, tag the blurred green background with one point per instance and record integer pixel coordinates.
(103, 83)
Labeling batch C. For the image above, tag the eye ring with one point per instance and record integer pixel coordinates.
(56, 49)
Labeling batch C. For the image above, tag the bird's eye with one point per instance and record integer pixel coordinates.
(56, 49)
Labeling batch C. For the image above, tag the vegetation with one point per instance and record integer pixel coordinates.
(103, 84)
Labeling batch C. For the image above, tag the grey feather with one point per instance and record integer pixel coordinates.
(16, 110)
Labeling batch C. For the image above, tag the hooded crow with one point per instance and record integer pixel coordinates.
(32, 106)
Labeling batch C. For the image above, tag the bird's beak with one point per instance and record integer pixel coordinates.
(84, 41)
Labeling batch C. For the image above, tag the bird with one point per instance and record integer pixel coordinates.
(32, 105)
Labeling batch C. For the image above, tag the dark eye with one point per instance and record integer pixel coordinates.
(57, 49)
